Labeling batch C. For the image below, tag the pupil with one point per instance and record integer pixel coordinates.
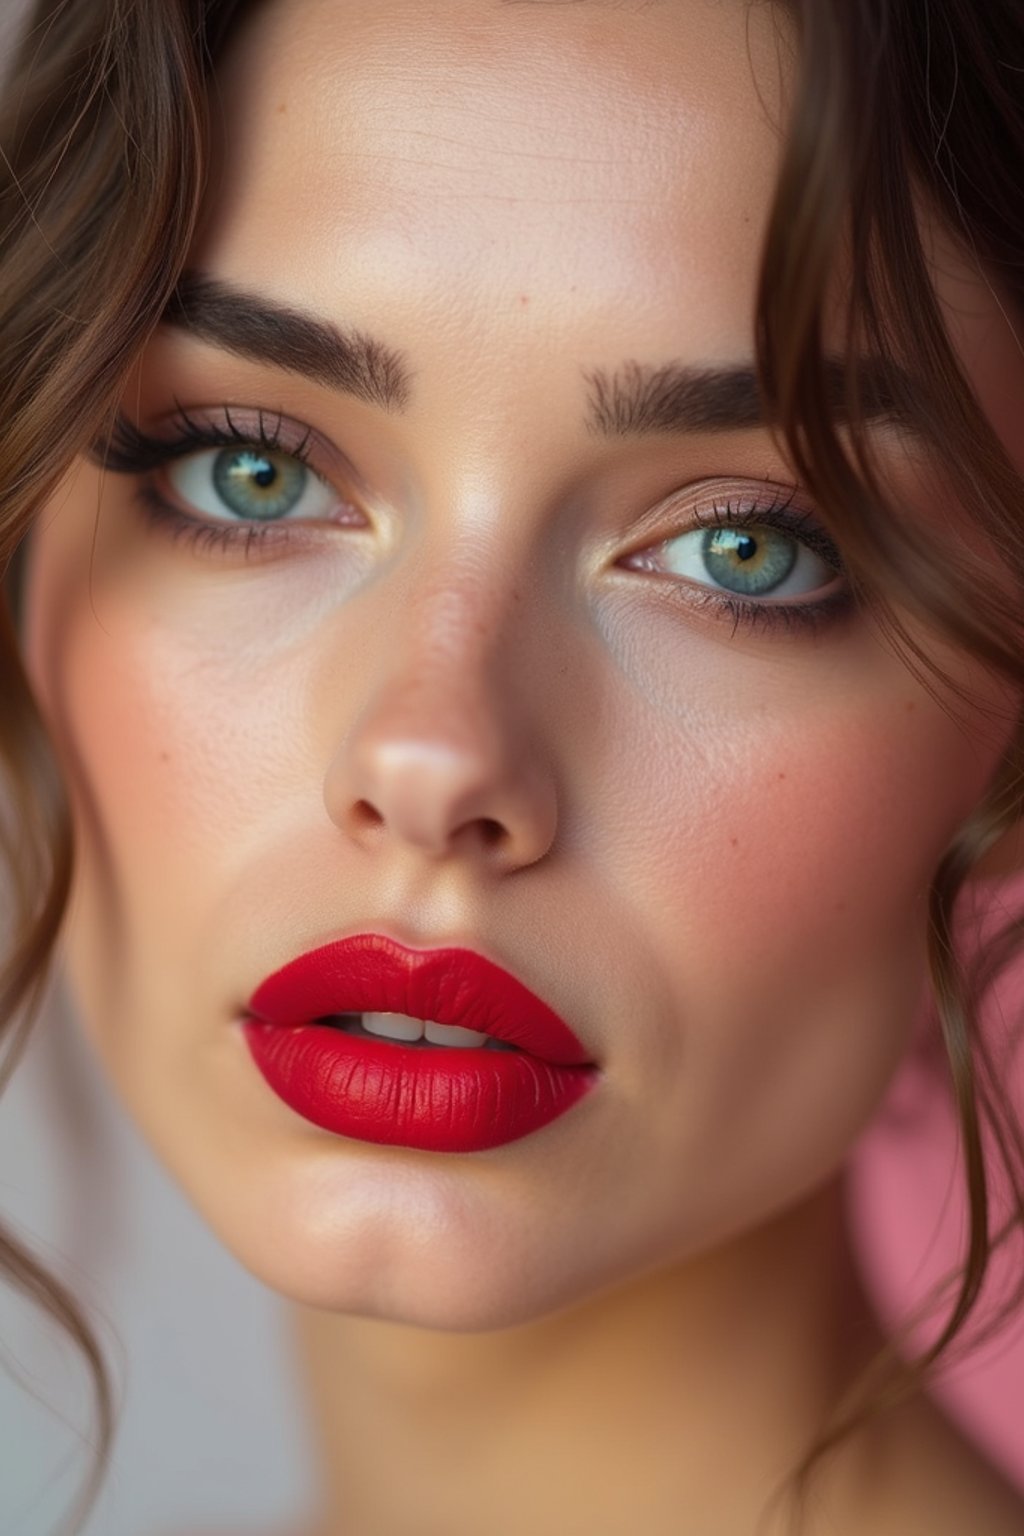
(745, 547)
(264, 473)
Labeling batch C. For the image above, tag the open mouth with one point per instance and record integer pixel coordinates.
(427, 1034)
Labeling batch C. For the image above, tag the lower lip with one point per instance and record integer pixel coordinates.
(443, 1100)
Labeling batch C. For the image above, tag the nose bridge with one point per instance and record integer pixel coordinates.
(452, 622)
(444, 750)
(438, 690)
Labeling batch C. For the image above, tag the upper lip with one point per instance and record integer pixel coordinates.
(369, 972)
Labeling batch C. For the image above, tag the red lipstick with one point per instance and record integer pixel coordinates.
(436, 1098)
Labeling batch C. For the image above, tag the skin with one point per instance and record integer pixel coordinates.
(717, 842)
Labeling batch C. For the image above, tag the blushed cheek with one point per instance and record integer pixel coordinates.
(106, 749)
(789, 808)
(161, 758)
(821, 838)
(788, 785)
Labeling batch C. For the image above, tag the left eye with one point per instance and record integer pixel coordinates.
(755, 560)
(250, 484)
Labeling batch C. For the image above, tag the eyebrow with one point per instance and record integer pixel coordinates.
(252, 326)
(636, 400)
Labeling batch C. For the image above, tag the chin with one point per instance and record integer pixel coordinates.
(446, 1268)
(442, 1294)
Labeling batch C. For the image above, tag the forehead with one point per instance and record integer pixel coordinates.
(475, 150)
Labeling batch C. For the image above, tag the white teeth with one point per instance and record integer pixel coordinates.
(399, 1026)
(395, 1026)
(453, 1034)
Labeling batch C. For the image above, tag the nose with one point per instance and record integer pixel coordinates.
(444, 757)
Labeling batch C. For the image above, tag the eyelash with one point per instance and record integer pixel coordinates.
(127, 450)
(130, 451)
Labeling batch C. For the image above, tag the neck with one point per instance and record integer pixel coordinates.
(691, 1391)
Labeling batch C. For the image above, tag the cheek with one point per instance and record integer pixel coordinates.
(788, 807)
(786, 796)
(182, 752)
(812, 936)
(177, 691)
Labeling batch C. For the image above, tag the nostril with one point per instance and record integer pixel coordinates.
(493, 831)
(366, 816)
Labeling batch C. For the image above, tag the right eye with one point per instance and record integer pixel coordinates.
(250, 483)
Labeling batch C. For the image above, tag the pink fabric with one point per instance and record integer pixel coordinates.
(910, 1214)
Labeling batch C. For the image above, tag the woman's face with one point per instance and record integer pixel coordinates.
(500, 690)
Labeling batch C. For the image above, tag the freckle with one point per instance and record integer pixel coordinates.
(840, 906)
(910, 706)
(524, 298)
(735, 841)
(782, 775)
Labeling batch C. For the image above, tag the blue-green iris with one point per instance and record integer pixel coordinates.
(257, 483)
(751, 561)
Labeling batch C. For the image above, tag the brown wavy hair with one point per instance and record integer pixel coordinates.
(898, 105)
